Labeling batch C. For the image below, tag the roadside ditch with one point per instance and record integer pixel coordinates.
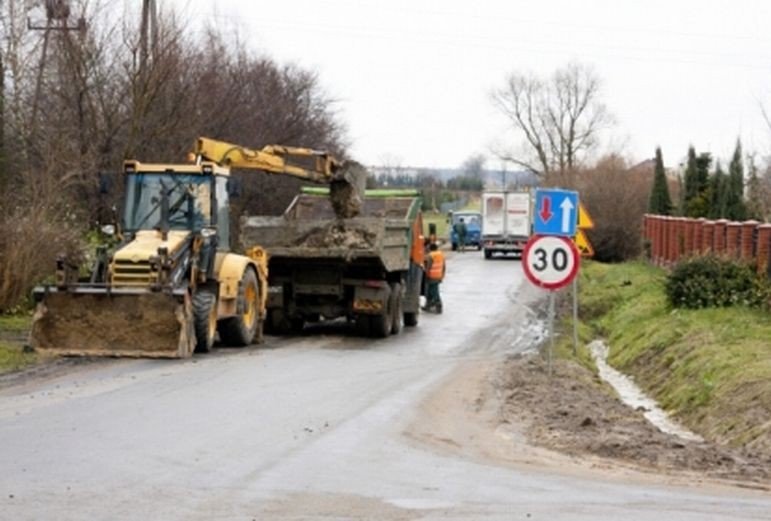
(576, 412)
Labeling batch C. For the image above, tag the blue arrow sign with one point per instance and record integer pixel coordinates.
(555, 212)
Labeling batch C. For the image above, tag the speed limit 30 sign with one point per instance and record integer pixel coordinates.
(550, 261)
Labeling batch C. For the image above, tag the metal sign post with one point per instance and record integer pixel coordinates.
(551, 331)
(575, 316)
(550, 262)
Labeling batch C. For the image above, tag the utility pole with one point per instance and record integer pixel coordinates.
(57, 19)
(148, 35)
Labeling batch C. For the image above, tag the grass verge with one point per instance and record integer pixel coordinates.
(440, 220)
(711, 368)
(13, 331)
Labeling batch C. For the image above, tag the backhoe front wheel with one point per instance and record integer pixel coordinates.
(246, 327)
(204, 319)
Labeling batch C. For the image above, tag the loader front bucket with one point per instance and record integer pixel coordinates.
(95, 322)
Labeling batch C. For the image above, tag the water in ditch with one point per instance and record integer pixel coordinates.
(633, 396)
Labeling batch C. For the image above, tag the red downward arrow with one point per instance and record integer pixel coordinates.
(546, 212)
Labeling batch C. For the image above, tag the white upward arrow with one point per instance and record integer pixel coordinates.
(567, 210)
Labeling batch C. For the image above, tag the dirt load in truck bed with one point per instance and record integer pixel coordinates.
(310, 229)
(308, 238)
(337, 235)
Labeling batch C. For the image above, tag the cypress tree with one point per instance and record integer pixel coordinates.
(659, 202)
(754, 207)
(703, 162)
(717, 194)
(735, 208)
(691, 189)
(697, 202)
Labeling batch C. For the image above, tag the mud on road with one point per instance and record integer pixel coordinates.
(575, 413)
(510, 412)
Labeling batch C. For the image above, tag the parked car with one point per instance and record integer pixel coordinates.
(473, 221)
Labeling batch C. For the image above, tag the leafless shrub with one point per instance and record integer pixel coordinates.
(616, 196)
(32, 235)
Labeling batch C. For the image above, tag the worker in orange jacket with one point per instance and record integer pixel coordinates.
(435, 268)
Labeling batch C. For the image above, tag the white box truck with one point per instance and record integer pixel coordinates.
(506, 222)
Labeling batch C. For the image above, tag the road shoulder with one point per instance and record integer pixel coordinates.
(509, 413)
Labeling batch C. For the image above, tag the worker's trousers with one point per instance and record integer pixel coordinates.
(432, 294)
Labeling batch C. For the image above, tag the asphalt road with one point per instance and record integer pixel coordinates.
(308, 427)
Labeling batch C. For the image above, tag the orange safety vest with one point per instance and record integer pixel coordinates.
(436, 271)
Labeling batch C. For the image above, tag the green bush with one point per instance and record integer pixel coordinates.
(704, 282)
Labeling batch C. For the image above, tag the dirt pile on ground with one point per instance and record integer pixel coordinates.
(574, 412)
(347, 193)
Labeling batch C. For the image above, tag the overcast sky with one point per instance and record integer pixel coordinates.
(413, 77)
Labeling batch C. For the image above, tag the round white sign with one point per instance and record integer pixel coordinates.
(549, 261)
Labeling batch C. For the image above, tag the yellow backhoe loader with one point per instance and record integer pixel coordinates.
(172, 282)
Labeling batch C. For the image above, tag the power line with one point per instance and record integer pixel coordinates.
(755, 61)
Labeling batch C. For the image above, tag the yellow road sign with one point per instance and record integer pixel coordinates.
(583, 244)
(584, 219)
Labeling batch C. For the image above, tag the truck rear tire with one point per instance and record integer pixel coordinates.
(396, 308)
(242, 329)
(204, 320)
(380, 324)
(362, 325)
(411, 319)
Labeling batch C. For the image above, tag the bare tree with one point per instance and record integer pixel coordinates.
(560, 118)
(105, 94)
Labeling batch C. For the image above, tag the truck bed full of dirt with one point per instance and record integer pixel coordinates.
(310, 229)
(327, 238)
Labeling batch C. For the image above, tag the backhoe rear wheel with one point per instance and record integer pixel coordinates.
(204, 319)
(245, 328)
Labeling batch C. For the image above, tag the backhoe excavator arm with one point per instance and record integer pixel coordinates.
(315, 166)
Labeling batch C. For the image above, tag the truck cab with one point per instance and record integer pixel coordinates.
(473, 221)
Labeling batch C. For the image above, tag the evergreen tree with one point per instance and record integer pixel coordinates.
(717, 194)
(697, 184)
(735, 208)
(703, 162)
(691, 188)
(754, 207)
(660, 202)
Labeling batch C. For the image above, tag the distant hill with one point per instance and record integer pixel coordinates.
(492, 178)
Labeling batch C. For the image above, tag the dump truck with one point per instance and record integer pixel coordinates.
(367, 269)
(506, 222)
(172, 282)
